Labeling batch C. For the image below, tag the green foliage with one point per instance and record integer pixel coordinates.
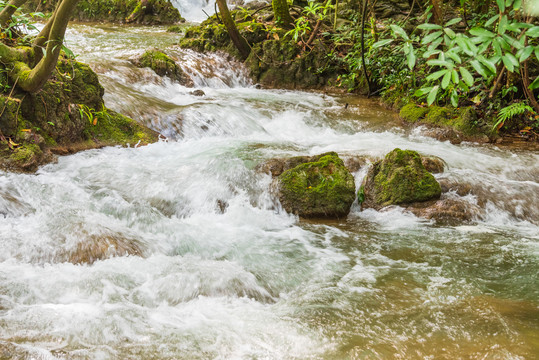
(20, 25)
(302, 24)
(511, 111)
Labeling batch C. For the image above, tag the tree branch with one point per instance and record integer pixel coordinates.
(8, 11)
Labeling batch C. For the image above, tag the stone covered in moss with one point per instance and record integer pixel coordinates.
(400, 178)
(463, 120)
(413, 113)
(321, 188)
(147, 12)
(163, 65)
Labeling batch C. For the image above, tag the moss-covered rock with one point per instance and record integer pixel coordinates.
(321, 188)
(147, 12)
(163, 65)
(400, 178)
(413, 113)
(65, 116)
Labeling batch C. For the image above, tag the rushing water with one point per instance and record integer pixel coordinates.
(177, 250)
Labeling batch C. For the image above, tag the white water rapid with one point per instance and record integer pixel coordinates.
(177, 250)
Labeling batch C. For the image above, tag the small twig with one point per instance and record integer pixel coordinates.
(217, 13)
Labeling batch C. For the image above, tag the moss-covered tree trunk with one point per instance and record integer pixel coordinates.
(31, 79)
(238, 40)
(9, 10)
(282, 13)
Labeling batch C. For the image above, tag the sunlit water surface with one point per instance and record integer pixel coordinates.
(218, 270)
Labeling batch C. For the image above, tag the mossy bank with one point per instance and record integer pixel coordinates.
(65, 116)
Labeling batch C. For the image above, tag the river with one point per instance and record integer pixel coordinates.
(217, 270)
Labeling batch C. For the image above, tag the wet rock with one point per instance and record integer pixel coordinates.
(322, 188)
(433, 164)
(459, 188)
(400, 178)
(197, 93)
(446, 210)
(101, 247)
(163, 65)
(277, 166)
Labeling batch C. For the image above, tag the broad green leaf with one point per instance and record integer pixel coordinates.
(437, 62)
(422, 91)
(503, 43)
(535, 84)
(429, 26)
(411, 59)
(466, 76)
(430, 37)
(512, 41)
(501, 5)
(455, 76)
(450, 33)
(513, 59)
(435, 44)
(502, 25)
(453, 21)
(481, 32)
(492, 20)
(479, 68)
(454, 98)
(525, 53)
(533, 32)
(428, 54)
(497, 48)
(432, 95)
(446, 79)
(495, 59)
(464, 44)
(488, 64)
(454, 56)
(400, 31)
(536, 52)
(508, 63)
(407, 48)
(436, 75)
(382, 43)
(517, 4)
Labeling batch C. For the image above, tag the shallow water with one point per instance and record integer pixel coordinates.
(216, 269)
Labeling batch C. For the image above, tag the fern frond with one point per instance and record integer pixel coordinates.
(509, 112)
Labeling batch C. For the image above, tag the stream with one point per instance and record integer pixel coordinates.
(217, 270)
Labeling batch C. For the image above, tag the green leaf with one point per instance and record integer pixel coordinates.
(453, 21)
(435, 44)
(502, 25)
(512, 58)
(466, 76)
(525, 53)
(479, 68)
(501, 5)
(436, 75)
(536, 52)
(454, 56)
(455, 76)
(429, 26)
(517, 4)
(382, 43)
(399, 31)
(430, 37)
(432, 95)
(446, 79)
(487, 63)
(535, 84)
(437, 62)
(492, 20)
(450, 33)
(429, 53)
(481, 32)
(508, 63)
(533, 32)
(512, 41)
(422, 91)
(465, 44)
(497, 48)
(454, 98)
(411, 59)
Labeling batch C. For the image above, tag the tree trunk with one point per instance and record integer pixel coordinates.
(282, 14)
(8, 11)
(238, 40)
(437, 12)
(32, 80)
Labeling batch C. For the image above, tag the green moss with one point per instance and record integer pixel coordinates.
(322, 188)
(163, 65)
(413, 113)
(175, 29)
(25, 156)
(401, 178)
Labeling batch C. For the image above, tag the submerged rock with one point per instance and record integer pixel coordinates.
(101, 247)
(322, 187)
(400, 178)
(163, 65)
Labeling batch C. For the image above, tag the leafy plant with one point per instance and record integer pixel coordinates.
(511, 111)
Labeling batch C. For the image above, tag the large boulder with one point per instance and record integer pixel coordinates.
(322, 187)
(163, 65)
(399, 179)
